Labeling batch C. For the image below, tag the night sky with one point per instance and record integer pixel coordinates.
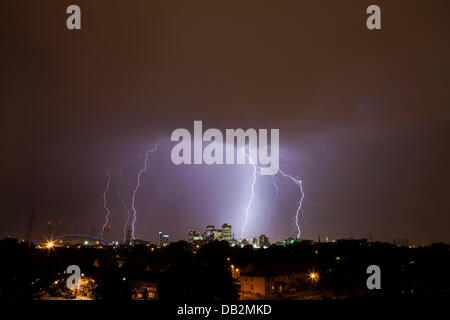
(364, 116)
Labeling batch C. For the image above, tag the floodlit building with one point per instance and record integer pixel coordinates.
(163, 239)
(263, 241)
(211, 234)
(267, 283)
(210, 229)
(226, 232)
(195, 236)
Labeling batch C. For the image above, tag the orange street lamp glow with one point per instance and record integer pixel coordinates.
(49, 244)
(314, 276)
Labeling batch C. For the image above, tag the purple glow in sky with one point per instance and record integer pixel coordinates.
(364, 116)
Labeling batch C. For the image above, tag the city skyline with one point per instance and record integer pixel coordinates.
(196, 236)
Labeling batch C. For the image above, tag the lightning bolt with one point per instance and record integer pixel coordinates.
(300, 203)
(122, 198)
(122, 201)
(252, 196)
(133, 197)
(105, 206)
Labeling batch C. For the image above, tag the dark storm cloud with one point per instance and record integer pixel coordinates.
(364, 116)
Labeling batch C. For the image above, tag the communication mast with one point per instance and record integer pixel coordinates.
(30, 225)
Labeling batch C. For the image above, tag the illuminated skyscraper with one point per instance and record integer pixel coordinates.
(212, 234)
(160, 238)
(263, 241)
(195, 236)
(210, 229)
(226, 232)
(163, 239)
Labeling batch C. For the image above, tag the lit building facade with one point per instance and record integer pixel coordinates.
(211, 234)
(226, 233)
(163, 239)
(195, 236)
(263, 241)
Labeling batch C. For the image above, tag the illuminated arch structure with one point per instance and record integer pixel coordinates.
(79, 239)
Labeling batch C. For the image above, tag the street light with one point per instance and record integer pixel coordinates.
(314, 276)
(49, 244)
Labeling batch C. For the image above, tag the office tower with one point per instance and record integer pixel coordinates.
(226, 232)
(263, 241)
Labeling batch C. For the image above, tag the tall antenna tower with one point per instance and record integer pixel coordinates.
(30, 225)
